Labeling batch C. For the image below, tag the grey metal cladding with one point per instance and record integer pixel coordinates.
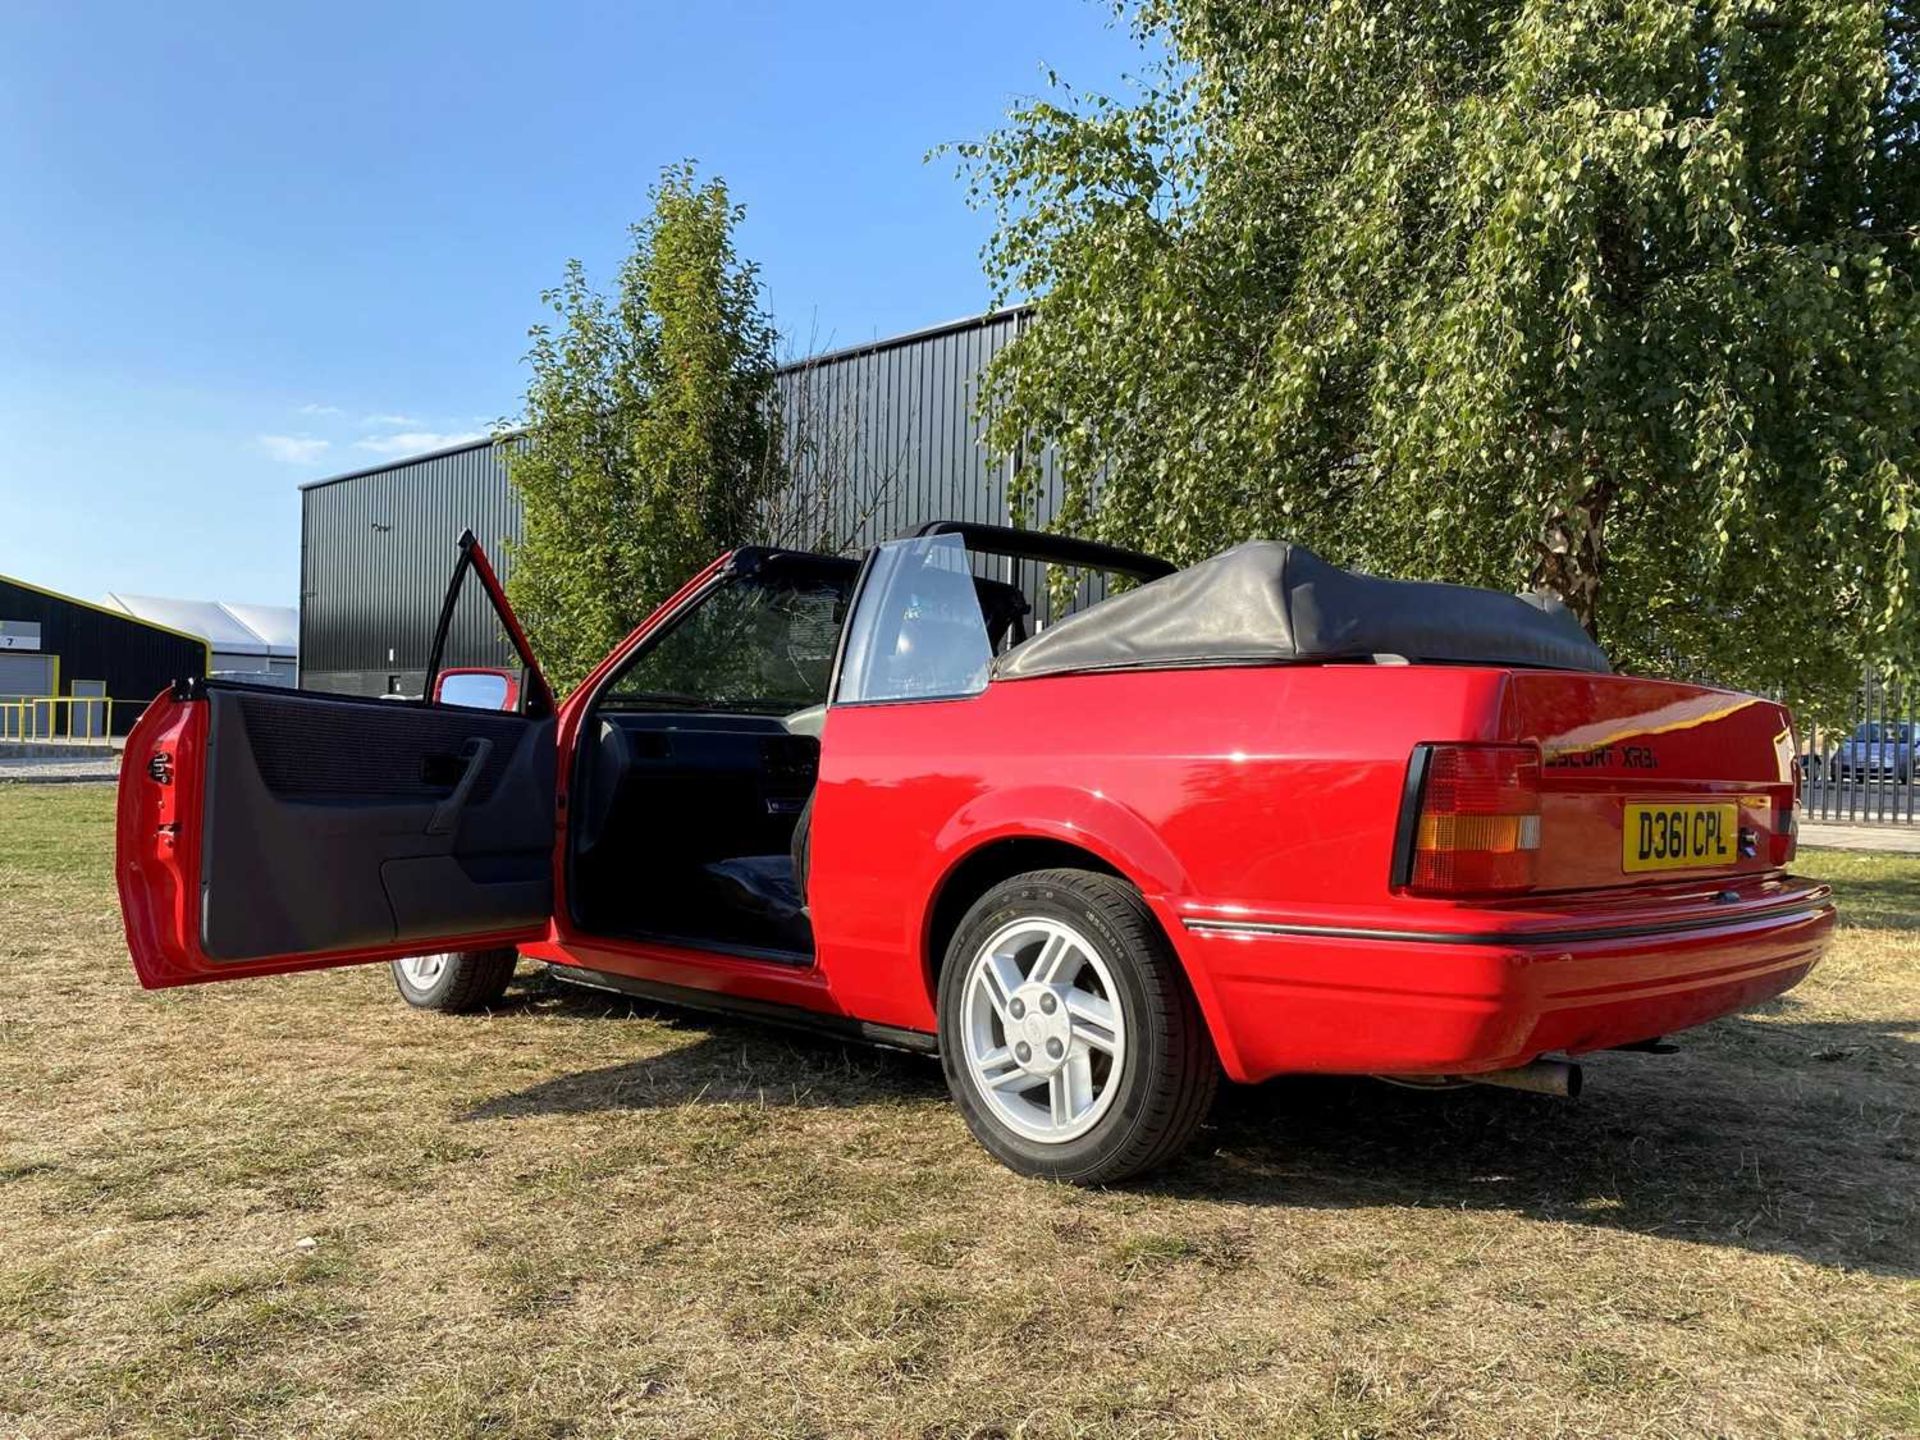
(899, 422)
(376, 549)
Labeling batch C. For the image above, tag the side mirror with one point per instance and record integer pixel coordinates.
(476, 689)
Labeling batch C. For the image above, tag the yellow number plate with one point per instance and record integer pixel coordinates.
(1680, 836)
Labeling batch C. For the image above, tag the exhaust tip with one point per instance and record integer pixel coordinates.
(1542, 1077)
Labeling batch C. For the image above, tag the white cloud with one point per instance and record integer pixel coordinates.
(390, 422)
(293, 449)
(310, 408)
(414, 442)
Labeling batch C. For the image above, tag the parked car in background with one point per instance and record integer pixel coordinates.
(1877, 750)
(1253, 817)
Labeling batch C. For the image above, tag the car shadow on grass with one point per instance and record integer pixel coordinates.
(1775, 1132)
(1778, 1133)
(715, 1060)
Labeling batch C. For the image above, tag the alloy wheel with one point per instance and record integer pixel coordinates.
(1044, 1035)
(422, 971)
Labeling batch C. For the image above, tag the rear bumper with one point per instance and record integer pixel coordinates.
(1294, 1000)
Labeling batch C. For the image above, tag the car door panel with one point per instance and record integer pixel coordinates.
(262, 831)
(318, 831)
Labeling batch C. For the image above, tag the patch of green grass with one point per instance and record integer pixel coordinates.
(38, 1290)
(1225, 1248)
(55, 830)
(1898, 1411)
(229, 1314)
(1877, 891)
(530, 1281)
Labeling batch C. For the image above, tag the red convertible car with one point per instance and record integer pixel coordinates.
(1260, 815)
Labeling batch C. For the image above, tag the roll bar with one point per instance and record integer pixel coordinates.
(1051, 549)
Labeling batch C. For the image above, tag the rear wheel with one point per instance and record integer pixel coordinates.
(1069, 1037)
(454, 981)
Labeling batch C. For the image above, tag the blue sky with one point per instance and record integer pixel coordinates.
(246, 245)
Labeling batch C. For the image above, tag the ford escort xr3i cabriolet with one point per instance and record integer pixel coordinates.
(1260, 815)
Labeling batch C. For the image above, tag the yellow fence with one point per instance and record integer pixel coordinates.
(78, 719)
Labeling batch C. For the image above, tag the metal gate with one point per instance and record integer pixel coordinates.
(1866, 770)
(24, 677)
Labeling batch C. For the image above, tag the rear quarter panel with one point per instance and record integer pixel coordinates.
(1215, 791)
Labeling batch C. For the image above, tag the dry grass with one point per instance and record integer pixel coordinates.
(293, 1207)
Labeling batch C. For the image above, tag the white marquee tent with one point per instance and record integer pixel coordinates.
(260, 643)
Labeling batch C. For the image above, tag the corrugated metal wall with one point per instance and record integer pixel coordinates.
(885, 437)
(376, 550)
(881, 438)
(136, 660)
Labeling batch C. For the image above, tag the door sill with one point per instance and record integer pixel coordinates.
(765, 954)
(772, 1012)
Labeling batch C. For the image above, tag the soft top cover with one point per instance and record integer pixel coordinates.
(1269, 601)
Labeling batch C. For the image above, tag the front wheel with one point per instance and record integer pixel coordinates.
(454, 982)
(1069, 1037)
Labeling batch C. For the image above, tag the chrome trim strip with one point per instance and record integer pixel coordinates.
(1797, 910)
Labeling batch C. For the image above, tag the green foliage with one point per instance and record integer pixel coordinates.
(1614, 298)
(652, 441)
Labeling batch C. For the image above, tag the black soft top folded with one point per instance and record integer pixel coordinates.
(1269, 601)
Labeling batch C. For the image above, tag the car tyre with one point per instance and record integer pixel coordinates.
(455, 982)
(1160, 1073)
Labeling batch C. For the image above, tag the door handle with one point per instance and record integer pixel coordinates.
(447, 813)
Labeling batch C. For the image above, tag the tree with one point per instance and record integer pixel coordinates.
(1617, 301)
(652, 443)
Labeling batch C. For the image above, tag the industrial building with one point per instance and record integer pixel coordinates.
(70, 669)
(880, 438)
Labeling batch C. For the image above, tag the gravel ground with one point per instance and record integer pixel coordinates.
(55, 770)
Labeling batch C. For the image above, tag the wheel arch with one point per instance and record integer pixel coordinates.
(982, 868)
(1085, 832)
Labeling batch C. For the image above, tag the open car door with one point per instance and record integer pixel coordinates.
(264, 830)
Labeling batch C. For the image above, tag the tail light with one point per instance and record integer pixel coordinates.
(1786, 814)
(1476, 828)
(1786, 833)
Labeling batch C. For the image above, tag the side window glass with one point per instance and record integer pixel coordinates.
(761, 644)
(917, 631)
